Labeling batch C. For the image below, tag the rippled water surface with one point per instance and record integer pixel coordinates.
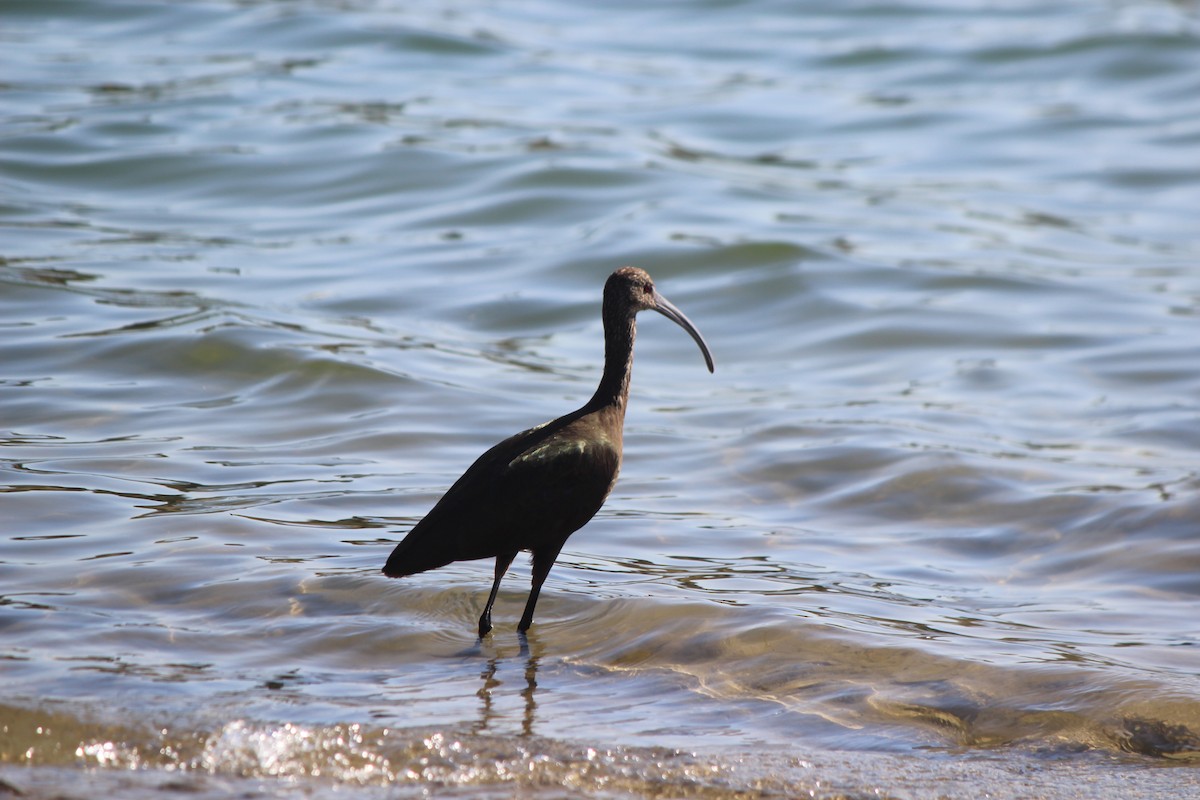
(272, 274)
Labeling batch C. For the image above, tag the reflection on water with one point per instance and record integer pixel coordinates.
(487, 711)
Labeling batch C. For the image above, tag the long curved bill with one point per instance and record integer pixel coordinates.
(665, 307)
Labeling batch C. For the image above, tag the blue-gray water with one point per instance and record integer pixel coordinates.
(272, 274)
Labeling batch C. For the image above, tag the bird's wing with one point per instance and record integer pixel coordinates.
(531, 489)
(553, 488)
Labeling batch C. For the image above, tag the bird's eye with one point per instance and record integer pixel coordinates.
(647, 289)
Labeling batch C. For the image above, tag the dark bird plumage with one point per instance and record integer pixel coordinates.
(533, 490)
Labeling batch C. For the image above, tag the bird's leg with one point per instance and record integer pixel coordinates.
(485, 619)
(543, 560)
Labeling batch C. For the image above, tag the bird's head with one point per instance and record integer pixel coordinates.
(630, 290)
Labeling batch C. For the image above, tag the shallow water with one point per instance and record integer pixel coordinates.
(273, 274)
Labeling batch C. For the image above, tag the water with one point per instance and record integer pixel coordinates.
(273, 274)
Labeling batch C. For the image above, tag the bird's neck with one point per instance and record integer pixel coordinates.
(619, 333)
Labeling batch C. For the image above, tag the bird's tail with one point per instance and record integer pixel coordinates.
(416, 554)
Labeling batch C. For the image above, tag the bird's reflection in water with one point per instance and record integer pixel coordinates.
(498, 662)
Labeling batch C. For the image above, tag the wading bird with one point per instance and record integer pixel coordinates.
(533, 490)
